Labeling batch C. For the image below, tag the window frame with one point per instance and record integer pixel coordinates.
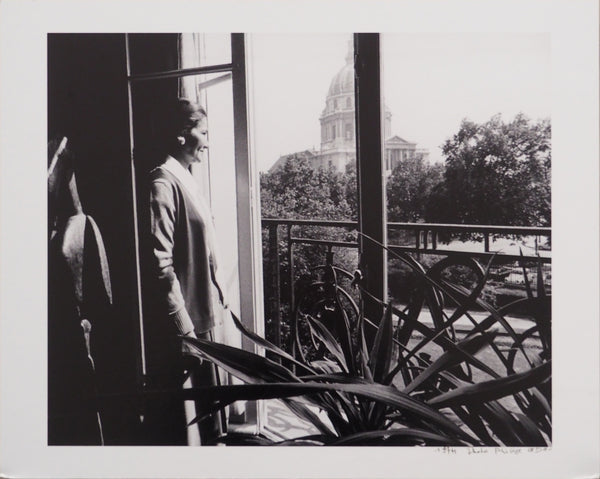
(370, 170)
(247, 201)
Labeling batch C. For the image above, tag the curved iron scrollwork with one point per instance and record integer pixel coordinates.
(448, 308)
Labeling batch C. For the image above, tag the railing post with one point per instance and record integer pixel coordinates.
(418, 242)
(276, 284)
(329, 256)
(434, 239)
(486, 240)
(290, 245)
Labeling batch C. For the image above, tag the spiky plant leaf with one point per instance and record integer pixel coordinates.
(494, 389)
(397, 437)
(244, 439)
(451, 358)
(500, 423)
(525, 275)
(310, 440)
(443, 341)
(325, 367)
(214, 398)
(530, 432)
(541, 289)
(328, 340)
(246, 366)
(263, 343)
(381, 353)
(342, 325)
(495, 317)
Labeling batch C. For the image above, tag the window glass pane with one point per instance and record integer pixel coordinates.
(205, 49)
(221, 174)
(197, 86)
(217, 48)
(305, 146)
(303, 96)
(153, 53)
(467, 142)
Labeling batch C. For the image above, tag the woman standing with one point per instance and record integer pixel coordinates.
(187, 289)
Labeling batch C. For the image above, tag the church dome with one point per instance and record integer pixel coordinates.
(343, 81)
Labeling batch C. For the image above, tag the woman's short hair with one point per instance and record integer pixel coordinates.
(184, 116)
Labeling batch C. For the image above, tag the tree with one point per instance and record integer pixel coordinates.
(496, 173)
(409, 187)
(351, 188)
(298, 191)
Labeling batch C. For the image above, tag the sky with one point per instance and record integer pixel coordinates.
(431, 82)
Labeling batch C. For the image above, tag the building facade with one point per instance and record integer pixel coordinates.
(338, 132)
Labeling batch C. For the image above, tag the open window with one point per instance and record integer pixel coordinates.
(211, 70)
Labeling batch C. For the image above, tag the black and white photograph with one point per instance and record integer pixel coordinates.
(284, 237)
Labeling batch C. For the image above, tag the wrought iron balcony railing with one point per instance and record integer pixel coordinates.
(417, 238)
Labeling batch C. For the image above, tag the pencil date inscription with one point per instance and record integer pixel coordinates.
(447, 450)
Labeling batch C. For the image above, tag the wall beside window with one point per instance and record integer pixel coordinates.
(87, 103)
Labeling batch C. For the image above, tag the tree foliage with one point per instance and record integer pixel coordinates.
(298, 191)
(409, 187)
(495, 173)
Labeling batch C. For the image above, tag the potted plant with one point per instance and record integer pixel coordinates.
(485, 387)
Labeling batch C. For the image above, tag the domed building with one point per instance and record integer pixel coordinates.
(338, 133)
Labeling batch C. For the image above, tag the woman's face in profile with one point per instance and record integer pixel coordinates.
(196, 141)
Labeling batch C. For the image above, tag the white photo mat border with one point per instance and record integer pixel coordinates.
(24, 24)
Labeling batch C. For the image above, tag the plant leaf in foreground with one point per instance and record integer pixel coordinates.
(494, 389)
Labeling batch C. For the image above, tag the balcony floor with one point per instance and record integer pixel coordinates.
(284, 424)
